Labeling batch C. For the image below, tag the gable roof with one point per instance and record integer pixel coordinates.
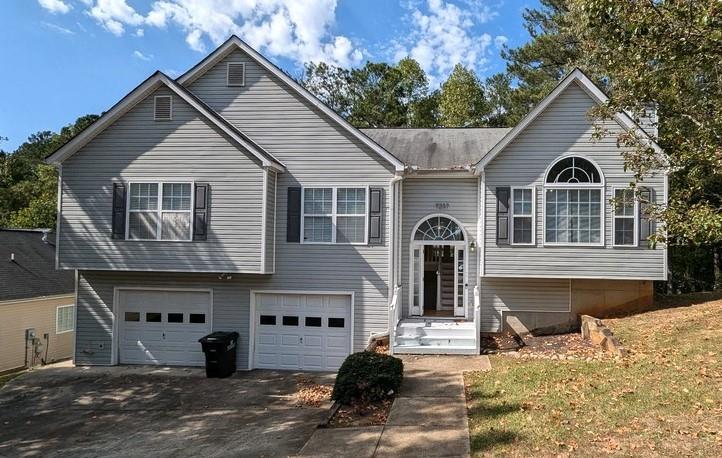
(438, 149)
(575, 76)
(32, 272)
(142, 91)
(236, 43)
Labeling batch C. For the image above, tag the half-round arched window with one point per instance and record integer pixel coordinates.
(574, 169)
(439, 228)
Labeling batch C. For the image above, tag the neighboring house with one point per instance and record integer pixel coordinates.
(231, 199)
(37, 302)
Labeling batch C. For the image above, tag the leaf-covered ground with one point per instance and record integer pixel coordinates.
(664, 399)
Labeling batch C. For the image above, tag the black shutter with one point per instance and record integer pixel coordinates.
(502, 215)
(202, 204)
(119, 202)
(646, 225)
(376, 205)
(293, 216)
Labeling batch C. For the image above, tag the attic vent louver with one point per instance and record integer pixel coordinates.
(236, 74)
(163, 108)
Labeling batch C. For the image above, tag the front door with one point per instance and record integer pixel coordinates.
(438, 280)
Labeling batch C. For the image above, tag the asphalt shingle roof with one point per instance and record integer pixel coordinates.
(438, 149)
(32, 273)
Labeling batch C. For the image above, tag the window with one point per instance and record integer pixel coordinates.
(132, 316)
(268, 320)
(152, 317)
(522, 219)
(439, 228)
(335, 215)
(290, 321)
(64, 319)
(573, 205)
(159, 211)
(625, 217)
(175, 318)
(197, 318)
(336, 322)
(313, 321)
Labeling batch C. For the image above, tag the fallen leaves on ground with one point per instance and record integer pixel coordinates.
(311, 393)
(362, 414)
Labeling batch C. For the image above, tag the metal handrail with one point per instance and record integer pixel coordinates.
(394, 316)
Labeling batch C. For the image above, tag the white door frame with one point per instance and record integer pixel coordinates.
(114, 346)
(252, 315)
(459, 311)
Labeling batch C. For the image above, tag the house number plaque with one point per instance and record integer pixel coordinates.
(442, 205)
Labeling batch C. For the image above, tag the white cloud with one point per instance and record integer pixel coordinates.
(298, 30)
(114, 15)
(443, 35)
(57, 28)
(139, 55)
(55, 6)
(500, 41)
(139, 32)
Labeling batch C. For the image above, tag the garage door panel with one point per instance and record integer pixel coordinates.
(163, 327)
(304, 330)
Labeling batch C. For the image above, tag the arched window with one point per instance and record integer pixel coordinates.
(573, 206)
(439, 228)
(573, 169)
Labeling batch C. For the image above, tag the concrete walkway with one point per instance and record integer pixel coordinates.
(428, 417)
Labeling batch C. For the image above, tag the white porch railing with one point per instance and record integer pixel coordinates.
(477, 318)
(394, 317)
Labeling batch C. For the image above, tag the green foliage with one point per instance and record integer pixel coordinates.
(461, 102)
(667, 53)
(367, 376)
(28, 186)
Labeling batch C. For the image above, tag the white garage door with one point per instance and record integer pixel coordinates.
(163, 327)
(301, 331)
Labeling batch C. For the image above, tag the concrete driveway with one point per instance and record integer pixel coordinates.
(139, 411)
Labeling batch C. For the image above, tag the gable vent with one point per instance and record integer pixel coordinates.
(163, 108)
(236, 74)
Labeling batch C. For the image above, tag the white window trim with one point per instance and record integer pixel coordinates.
(615, 216)
(57, 321)
(334, 214)
(602, 212)
(155, 102)
(533, 216)
(159, 210)
(228, 73)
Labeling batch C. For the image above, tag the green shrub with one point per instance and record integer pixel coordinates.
(367, 376)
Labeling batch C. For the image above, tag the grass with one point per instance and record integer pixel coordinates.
(664, 399)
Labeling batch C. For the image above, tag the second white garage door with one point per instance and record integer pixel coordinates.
(301, 331)
(163, 327)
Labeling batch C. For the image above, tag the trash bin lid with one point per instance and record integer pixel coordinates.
(220, 336)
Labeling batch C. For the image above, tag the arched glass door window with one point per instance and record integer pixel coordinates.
(439, 228)
(573, 203)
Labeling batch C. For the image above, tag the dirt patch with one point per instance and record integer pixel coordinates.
(362, 414)
(311, 393)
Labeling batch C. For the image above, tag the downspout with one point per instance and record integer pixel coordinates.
(394, 235)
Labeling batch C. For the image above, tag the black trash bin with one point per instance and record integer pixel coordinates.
(220, 350)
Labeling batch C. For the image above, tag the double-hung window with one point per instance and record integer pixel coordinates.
(625, 217)
(573, 208)
(522, 216)
(159, 211)
(64, 318)
(335, 215)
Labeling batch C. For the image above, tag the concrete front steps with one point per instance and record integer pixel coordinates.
(420, 336)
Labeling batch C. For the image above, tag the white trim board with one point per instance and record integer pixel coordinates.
(236, 43)
(586, 84)
(138, 94)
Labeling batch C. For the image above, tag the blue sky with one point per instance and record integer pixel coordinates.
(65, 58)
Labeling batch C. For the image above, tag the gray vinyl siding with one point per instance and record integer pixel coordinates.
(138, 148)
(231, 299)
(270, 229)
(316, 152)
(521, 295)
(564, 128)
(419, 199)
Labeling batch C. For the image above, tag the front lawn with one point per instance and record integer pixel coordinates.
(664, 399)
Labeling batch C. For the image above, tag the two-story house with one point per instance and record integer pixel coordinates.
(231, 199)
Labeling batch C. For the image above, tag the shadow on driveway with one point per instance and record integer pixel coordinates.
(142, 411)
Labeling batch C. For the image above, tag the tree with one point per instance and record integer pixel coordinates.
(667, 53)
(331, 84)
(461, 101)
(538, 65)
(499, 99)
(28, 186)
